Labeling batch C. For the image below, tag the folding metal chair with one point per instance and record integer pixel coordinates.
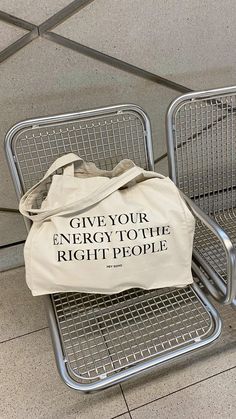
(100, 340)
(201, 130)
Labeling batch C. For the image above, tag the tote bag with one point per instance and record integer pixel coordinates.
(106, 231)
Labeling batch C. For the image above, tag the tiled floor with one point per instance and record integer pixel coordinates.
(28, 10)
(203, 385)
(44, 78)
(9, 34)
(168, 38)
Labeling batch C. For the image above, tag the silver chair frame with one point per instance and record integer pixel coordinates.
(145, 328)
(199, 126)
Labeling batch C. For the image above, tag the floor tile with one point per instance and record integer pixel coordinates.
(12, 227)
(31, 11)
(30, 386)
(162, 167)
(9, 34)
(213, 398)
(164, 380)
(20, 313)
(125, 416)
(11, 257)
(39, 87)
(188, 42)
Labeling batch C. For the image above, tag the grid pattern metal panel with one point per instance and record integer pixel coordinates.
(209, 247)
(105, 334)
(105, 140)
(205, 151)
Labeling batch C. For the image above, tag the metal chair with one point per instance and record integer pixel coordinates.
(201, 130)
(100, 340)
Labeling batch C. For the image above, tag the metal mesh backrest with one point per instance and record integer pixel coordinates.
(203, 133)
(103, 138)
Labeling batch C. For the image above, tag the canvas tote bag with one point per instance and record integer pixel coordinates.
(106, 231)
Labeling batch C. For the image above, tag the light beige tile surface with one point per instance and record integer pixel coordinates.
(30, 386)
(20, 313)
(191, 42)
(202, 364)
(213, 398)
(125, 416)
(44, 78)
(12, 227)
(31, 10)
(9, 34)
(162, 167)
(11, 257)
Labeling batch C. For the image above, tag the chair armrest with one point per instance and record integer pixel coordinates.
(227, 244)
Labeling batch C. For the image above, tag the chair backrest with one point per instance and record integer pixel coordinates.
(104, 136)
(201, 132)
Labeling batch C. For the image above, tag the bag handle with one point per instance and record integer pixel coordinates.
(99, 194)
(29, 197)
(58, 164)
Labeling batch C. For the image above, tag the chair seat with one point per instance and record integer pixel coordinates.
(102, 335)
(102, 340)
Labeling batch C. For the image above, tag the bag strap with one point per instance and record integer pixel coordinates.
(58, 164)
(29, 197)
(96, 196)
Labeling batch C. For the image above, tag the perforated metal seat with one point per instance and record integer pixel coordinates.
(202, 162)
(101, 340)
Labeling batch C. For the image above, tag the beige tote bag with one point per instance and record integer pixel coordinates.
(104, 232)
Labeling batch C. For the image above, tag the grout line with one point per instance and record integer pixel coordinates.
(24, 334)
(35, 30)
(160, 158)
(122, 414)
(13, 20)
(114, 62)
(20, 43)
(15, 210)
(58, 18)
(63, 14)
(122, 392)
(182, 388)
(11, 244)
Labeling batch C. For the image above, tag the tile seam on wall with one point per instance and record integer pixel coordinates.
(181, 389)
